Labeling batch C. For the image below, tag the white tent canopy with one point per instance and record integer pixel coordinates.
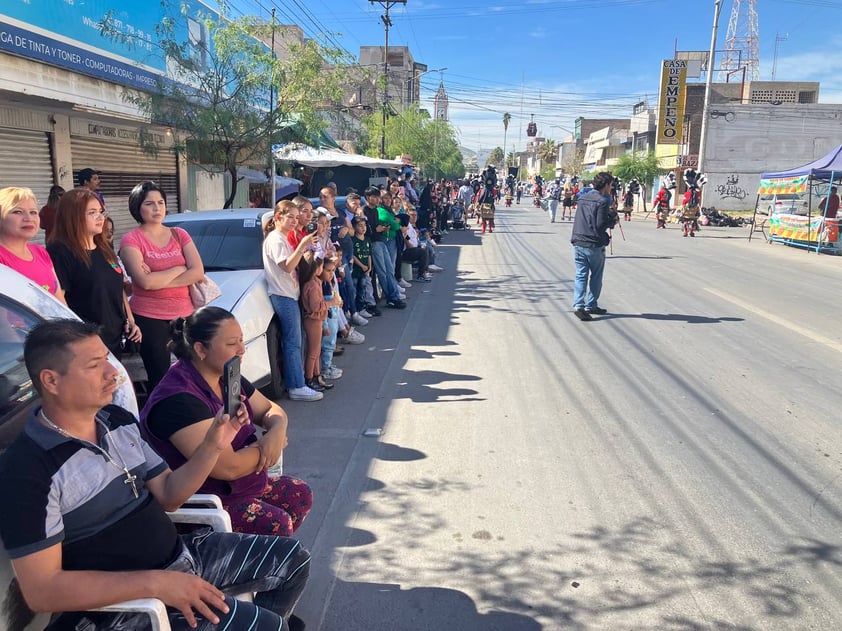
(259, 177)
(308, 156)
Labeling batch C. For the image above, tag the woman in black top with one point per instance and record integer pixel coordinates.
(88, 269)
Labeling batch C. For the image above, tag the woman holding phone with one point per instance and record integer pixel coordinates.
(182, 407)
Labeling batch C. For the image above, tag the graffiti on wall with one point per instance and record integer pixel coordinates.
(731, 188)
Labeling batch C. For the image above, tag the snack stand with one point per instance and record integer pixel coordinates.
(813, 230)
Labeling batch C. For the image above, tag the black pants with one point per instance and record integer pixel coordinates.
(416, 255)
(153, 348)
(276, 568)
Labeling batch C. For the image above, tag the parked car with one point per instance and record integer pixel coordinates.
(230, 243)
(790, 203)
(23, 304)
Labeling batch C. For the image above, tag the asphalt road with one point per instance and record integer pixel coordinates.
(674, 465)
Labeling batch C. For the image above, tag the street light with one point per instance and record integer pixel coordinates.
(414, 78)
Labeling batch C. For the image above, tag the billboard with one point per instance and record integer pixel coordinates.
(66, 34)
(672, 96)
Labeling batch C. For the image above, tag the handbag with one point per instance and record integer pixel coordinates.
(204, 292)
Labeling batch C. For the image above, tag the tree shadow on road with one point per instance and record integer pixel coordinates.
(389, 607)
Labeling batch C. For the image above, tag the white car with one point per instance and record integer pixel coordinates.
(230, 243)
(23, 304)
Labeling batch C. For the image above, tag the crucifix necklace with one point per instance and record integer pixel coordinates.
(130, 478)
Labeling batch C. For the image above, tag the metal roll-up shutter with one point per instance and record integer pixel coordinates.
(25, 161)
(122, 167)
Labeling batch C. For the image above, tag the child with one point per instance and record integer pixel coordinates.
(313, 316)
(362, 267)
(334, 304)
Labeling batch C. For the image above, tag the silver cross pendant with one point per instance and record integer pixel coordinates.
(130, 480)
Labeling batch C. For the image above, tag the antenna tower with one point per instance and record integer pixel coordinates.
(742, 43)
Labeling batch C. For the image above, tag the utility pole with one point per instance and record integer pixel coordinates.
(387, 22)
(272, 115)
(708, 85)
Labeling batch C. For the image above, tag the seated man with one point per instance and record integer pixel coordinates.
(83, 509)
(412, 252)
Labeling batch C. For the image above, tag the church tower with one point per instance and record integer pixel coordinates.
(440, 103)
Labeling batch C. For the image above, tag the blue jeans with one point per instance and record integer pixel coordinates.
(589, 262)
(552, 208)
(329, 341)
(385, 270)
(347, 289)
(289, 316)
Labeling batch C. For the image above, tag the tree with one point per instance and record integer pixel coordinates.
(229, 99)
(496, 157)
(507, 118)
(431, 143)
(641, 166)
(548, 151)
(575, 165)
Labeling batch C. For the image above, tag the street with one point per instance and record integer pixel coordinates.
(675, 464)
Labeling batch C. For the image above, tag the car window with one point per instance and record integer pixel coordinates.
(226, 244)
(17, 395)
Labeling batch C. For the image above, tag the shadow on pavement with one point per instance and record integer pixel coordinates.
(670, 317)
(384, 606)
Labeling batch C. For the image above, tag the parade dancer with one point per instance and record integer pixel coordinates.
(661, 206)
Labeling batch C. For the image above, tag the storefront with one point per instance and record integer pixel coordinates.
(25, 151)
(114, 150)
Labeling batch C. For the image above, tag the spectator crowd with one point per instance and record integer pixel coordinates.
(328, 272)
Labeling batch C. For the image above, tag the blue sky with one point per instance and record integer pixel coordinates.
(559, 59)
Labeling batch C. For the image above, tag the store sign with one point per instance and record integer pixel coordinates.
(688, 161)
(68, 36)
(673, 93)
(121, 133)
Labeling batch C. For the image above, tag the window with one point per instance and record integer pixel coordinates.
(17, 394)
(226, 244)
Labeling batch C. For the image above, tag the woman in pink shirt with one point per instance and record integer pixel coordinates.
(162, 262)
(19, 223)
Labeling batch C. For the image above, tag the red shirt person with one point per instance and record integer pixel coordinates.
(830, 204)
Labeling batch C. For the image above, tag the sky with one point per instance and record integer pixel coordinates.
(561, 59)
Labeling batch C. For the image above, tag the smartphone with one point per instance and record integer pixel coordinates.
(231, 385)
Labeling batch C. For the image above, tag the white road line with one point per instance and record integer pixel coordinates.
(796, 328)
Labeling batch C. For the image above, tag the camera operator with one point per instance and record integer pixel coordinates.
(594, 217)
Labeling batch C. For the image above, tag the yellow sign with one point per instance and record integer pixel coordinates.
(671, 105)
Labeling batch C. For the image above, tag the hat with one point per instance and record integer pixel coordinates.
(85, 175)
(321, 210)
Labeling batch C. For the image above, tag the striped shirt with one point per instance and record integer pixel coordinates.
(56, 489)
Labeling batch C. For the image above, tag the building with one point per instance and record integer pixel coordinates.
(440, 103)
(745, 140)
(403, 78)
(62, 107)
(584, 127)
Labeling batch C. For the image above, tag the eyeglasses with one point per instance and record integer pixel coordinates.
(96, 214)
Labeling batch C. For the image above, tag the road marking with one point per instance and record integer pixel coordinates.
(821, 339)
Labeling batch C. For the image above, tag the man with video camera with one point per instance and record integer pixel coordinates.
(595, 215)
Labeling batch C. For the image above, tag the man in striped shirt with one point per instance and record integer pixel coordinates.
(83, 518)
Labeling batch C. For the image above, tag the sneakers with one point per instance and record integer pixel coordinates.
(332, 372)
(583, 315)
(426, 278)
(404, 284)
(435, 268)
(373, 310)
(354, 337)
(396, 304)
(359, 319)
(597, 311)
(365, 314)
(304, 394)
